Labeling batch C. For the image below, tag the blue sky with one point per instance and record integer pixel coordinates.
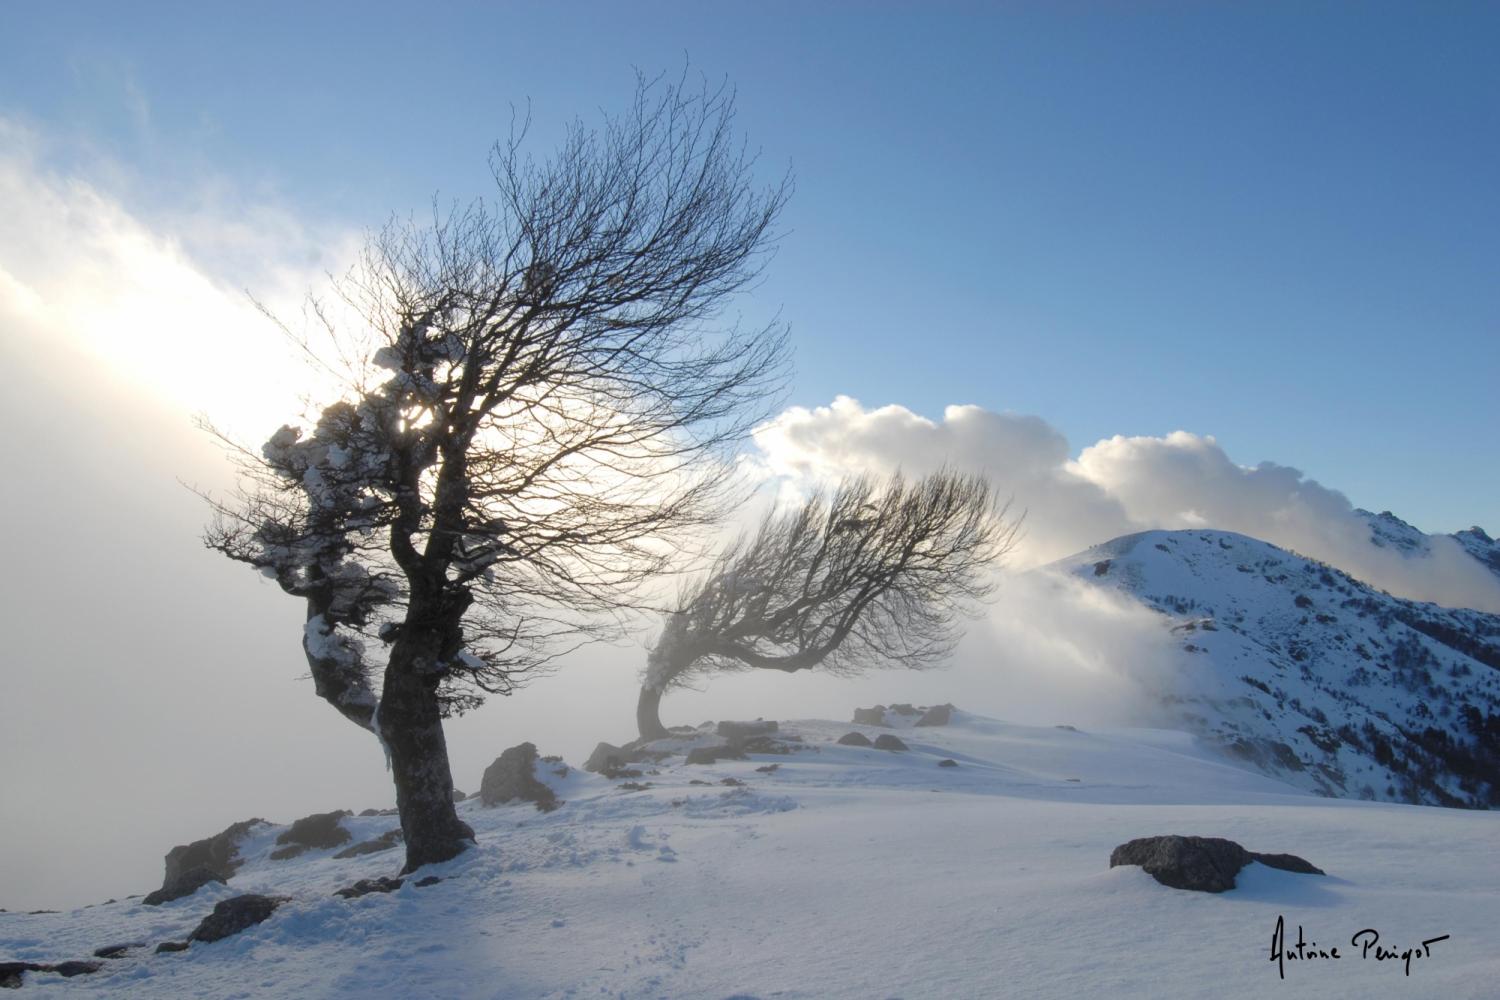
(1277, 224)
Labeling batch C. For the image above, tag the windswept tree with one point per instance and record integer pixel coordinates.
(540, 394)
(871, 575)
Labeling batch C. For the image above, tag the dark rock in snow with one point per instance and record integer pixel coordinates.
(710, 755)
(458, 796)
(212, 859)
(1204, 864)
(937, 715)
(384, 842)
(608, 757)
(12, 974)
(948, 762)
(365, 886)
(745, 730)
(513, 776)
(855, 740)
(425, 881)
(369, 812)
(185, 884)
(167, 946)
(901, 708)
(320, 830)
(885, 741)
(870, 716)
(70, 969)
(231, 916)
(117, 950)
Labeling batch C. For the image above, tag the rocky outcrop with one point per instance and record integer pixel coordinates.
(320, 830)
(711, 755)
(870, 716)
(1202, 864)
(384, 842)
(744, 730)
(231, 916)
(212, 859)
(512, 776)
(13, 974)
(608, 758)
(937, 715)
(855, 740)
(885, 741)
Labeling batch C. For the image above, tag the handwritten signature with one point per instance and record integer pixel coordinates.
(1366, 941)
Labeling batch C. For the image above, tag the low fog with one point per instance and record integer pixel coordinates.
(156, 692)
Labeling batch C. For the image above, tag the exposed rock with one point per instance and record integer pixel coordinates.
(185, 884)
(384, 842)
(901, 708)
(731, 782)
(768, 769)
(745, 730)
(608, 757)
(365, 886)
(13, 974)
(369, 812)
(167, 946)
(231, 916)
(212, 859)
(948, 762)
(710, 755)
(117, 950)
(1205, 864)
(855, 740)
(320, 830)
(937, 715)
(885, 741)
(458, 796)
(427, 880)
(70, 969)
(513, 776)
(288, 852)
(870, 716)
(765, 745)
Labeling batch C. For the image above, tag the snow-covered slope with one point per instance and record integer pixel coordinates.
(845, 872)
(1312, 676)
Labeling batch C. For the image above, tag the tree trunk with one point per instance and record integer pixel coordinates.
(411, 725)
(648, 714)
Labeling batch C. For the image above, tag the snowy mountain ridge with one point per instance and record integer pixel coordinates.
(1389, 531)
(1309, 675)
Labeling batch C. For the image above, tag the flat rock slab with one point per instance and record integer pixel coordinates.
(1202, 864)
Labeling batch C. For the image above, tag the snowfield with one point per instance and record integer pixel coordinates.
(846, 872)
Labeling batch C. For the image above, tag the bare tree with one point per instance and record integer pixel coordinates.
(869, 576)
(546, 402)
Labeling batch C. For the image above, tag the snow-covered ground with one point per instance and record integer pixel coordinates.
(847, 872)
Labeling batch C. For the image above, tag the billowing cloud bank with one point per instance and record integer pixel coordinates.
(1116, 486)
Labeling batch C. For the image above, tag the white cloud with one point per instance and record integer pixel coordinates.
(1115, 486)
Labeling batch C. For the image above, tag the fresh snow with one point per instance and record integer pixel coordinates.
(845, 872)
